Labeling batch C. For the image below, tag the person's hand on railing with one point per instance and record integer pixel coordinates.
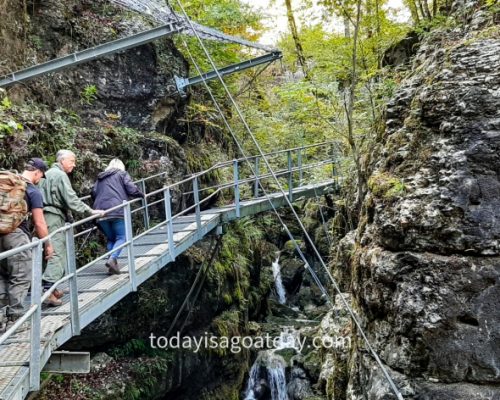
(49, 250)
(98, 212)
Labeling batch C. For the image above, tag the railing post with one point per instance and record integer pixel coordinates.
(236, 188)
(73, 286)
(145, 204)
(290, 176)
(36, 317)
(257, 172)
(196, 196)
(170, 225)
(299, 162)
(129, 236)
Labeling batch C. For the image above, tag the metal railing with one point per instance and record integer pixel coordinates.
(291, 165)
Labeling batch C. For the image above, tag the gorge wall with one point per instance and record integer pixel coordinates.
(423, 267)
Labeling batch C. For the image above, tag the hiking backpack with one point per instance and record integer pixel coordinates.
(13, 207)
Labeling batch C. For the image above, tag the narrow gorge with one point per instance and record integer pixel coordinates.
(416, 256)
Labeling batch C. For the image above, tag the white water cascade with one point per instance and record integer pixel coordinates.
(252, 380)
(275, 376)
(274, 366)
(280, 290)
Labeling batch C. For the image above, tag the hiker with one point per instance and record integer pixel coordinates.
(112, 187)
(20, 197)
(59, 199)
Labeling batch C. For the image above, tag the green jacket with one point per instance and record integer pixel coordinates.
(58, 194)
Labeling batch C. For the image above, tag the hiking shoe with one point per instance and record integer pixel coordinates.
(113, 268)
(52, 301)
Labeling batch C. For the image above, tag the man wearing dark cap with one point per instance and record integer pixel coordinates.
(15, 272)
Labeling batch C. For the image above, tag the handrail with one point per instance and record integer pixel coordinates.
(227, 164)
(34, 312)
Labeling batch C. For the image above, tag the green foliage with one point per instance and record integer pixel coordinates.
(9, 128)
(89, 94)
(82, 389)
(36, 41)
(438, 22)
(5, 104)
(232, 17)
(137, 348)
(230, 281)
(386, 186)
(33, 131)
(147, 376)
(292, 111)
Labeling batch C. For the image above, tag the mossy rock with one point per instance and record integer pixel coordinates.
(289, 246)
(312, 364)
(287, 354)
(386, 186)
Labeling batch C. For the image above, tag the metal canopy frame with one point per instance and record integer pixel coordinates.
(177, 25)
(182, 83)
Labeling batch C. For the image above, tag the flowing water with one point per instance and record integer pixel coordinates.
(280, 290)
(269, 368)
(274, 376)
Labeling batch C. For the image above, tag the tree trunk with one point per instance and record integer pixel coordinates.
(295, 35)
(347, 27)
(350, 112)
(426, 8)
(421, 8)
(414, 12)
(377, 28)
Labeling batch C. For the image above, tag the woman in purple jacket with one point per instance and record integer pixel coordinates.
(112, 187)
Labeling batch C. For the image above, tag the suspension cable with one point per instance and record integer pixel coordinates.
(201, 274)
(289, 234)
(323, 221)
(306, 234)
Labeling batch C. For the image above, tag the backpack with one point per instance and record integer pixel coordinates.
(13, 206)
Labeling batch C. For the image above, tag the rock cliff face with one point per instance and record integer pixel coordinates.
(424, 265)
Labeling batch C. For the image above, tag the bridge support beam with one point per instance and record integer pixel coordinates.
(68, 362)
(182, 83)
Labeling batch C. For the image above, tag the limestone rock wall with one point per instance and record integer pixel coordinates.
(424, 267)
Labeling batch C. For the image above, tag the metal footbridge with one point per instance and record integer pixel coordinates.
(171, 23)
(170, 219)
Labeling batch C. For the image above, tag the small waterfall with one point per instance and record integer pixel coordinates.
(274, 379)
(252, 380)
(277, 379)
(275, 374)
(278, 282)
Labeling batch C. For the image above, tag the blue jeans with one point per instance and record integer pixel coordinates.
(114, 229)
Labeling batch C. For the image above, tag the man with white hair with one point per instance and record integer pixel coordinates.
(58, 199)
